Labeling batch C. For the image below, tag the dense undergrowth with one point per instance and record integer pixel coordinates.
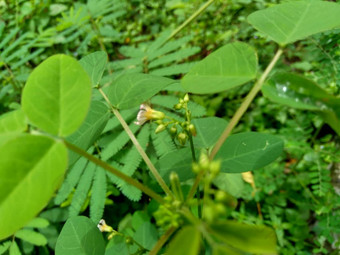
(298, 195)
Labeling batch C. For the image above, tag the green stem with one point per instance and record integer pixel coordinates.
(245, 104)
(162, 241)
(189, 20)
(116, 172)
(138, 147)
(195, 186)
(192, 148)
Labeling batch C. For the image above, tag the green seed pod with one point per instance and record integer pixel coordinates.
(221, 196)
(215, 167)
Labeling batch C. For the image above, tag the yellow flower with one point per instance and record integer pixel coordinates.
(103, 227)
(146, 113)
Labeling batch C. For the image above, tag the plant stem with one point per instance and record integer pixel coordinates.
(190, 19)
(245, 104)
(138, 147)
(116, 172)
(162, 241)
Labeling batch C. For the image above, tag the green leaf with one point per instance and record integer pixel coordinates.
(248, 151)
(248, 238)
(146, 235)
(14, 121)
(37, 223)
(178, 161)
(133, 89)
(288, 22)
(80, 236)
(298, 92)
(90, 129)
(186, 242)
(14, 249)
(31, 237)
(94, 64)
(231, 183)
(4, 247)
(208, 131)
(57, 95)
(32, 167)
(231, 65)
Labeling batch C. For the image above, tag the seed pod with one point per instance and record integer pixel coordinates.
(178, 106)
(192, 129)
(173, 130)
(186, 98)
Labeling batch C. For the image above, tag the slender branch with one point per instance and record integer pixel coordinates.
(116, 172)
(162, 241)
(245, 104)
(189, 20)
(195, 185)
(138, 147)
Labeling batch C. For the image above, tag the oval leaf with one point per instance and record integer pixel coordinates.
(31, 236)
(231, 65)
(186, 242)
(208, 131)
(288, 22)
(32, 167)
(94, 64)
(80, 236)
(248, 238)
(248, 151)
(57, 95)
(133, 89)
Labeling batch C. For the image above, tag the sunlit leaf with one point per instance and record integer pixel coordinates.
(133, 89)
(14, 121)
(94, 64)
(231, 65)
(288, 22)
(248, 238)
(32, 167)
(57, 95)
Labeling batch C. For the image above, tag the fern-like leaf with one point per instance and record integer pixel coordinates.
(82, 190)
(162, 142)
(98, 195)
(71, 180)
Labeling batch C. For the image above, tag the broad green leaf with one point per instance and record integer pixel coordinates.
(57, 95)
(231, 183)
(146, 235)
(186, 242)
(117, 245)
(37, 223)
(247, 238)
(80, 236)
(248, 151)
(94, 64)
(178, 161)
(219, 249)
(288, 22)
(208, 131)
(14, 249)
(32, 167)
(31, 237)
(231, 65)
(14, 121)
(139, 218)
(133, 89)
(298, 92)
(90, 129)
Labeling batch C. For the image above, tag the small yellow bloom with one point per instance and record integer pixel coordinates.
(103, 227)
(146, 113)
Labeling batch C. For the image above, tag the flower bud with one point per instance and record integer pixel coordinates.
(182, 138)
(196, 168)
(178, 106)
(157, 115)
(221, 196)
(186, 98)
(192, 129)
(215, 167)
(160, 128)
(173, 130)
(204, 161)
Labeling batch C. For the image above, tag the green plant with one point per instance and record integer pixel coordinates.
(57, 99)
